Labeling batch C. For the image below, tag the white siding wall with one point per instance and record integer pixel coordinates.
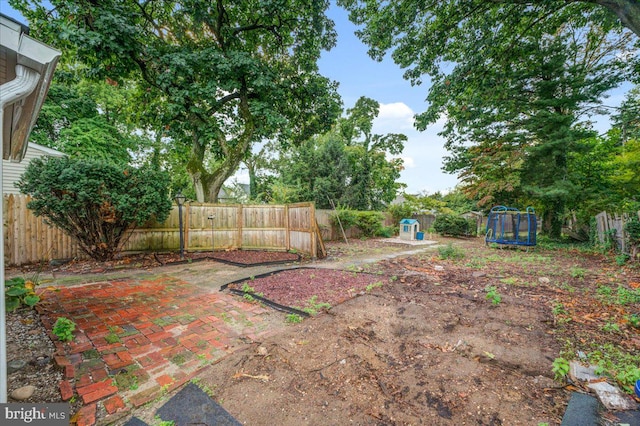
(11, 172)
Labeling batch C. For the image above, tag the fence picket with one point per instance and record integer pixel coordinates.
(28, 239)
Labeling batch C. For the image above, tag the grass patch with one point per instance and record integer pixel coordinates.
(450, 252)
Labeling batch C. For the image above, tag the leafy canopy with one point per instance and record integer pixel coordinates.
(97, 203)
(214, 76)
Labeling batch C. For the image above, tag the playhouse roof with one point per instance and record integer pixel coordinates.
(408, 221)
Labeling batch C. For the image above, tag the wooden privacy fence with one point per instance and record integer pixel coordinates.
(220, 226)
(613, 227)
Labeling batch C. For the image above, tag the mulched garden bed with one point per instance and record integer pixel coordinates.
(306, 287)
(254, 257)
(152, 260)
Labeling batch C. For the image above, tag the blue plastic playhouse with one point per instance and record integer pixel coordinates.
(510, 226)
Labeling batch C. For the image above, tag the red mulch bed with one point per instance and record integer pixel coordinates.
(150, 260)
(255, 257)
(295, 287)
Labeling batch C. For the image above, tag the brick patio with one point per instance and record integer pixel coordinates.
(137, 339)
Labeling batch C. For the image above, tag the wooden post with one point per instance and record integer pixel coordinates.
(287, 234)
(312, 231)
(238, 243)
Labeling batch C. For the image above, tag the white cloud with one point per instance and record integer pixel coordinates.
(393, 118)
(407, 162)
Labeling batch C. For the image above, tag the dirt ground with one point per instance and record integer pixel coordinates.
(459, 341)
(429, 347)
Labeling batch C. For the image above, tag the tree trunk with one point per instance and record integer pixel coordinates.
(208, 183)
(628, 11)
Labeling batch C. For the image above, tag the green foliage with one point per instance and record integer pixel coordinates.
(313, 306)
(622, 295)
(370, 287)
(63, 329)
(577, 272)
(349, 165)
(611, 327)
(215, 79)
(246, 288)
(632, 227)
(492, 295)
(293, 319)
(450, 224)
(19, 292)
(401, 211)
(516, 85)
(560, 368)
(344, 217)
(369, 223)
(450, 252)
(633, 320)
(618, 364)
(96, 203)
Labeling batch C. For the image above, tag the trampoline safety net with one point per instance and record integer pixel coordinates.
(507, 225)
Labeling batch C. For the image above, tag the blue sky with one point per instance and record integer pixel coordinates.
(359, 75)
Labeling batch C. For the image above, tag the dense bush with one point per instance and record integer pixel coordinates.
(400, 211)
(450, 224)
(96, 203)
(369, 223)
(633, 231)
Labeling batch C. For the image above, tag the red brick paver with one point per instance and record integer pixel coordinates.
(139, 338)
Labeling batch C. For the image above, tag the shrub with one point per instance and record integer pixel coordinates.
(344, 217)
(450, 252)
(19, 292)
(96, 203)
(400, 211)
(633, 231)
(370, 223)
(449, 224)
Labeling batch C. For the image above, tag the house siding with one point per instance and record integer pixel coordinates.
(11, 171)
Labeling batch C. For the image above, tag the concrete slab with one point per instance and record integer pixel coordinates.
(612, 397)
(191, 406)
(579, 372)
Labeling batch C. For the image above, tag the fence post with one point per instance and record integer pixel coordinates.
(240, 218)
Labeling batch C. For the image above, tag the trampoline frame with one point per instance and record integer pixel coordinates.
(498, 232)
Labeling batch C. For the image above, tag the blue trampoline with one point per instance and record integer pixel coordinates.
(510, 226)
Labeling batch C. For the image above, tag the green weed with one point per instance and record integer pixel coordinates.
(617, 364)
(19, 292)
(450, 252)
(611, 327)
(633, 320)
(577, 272)
(313, 306)
(63, 329)
(293, 319)
(493, 296)
(510, 281)
(371, 286)
(560, 368)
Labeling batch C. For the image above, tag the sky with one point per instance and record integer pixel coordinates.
(359, 75)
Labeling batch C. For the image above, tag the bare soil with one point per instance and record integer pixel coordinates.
(428, 346)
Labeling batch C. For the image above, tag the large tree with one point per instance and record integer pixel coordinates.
(349, 166)
(217, 76)
(515, 81)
